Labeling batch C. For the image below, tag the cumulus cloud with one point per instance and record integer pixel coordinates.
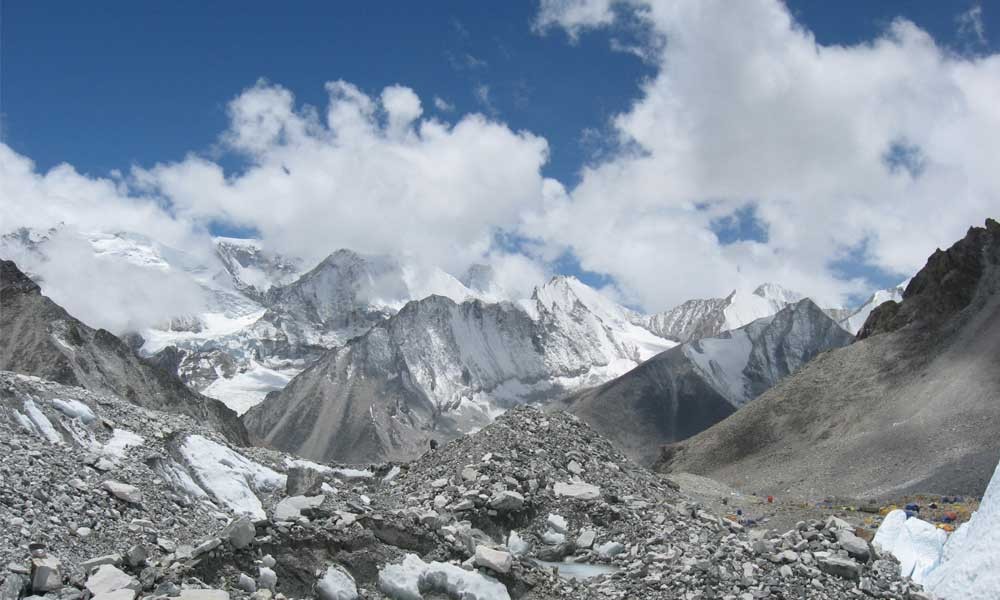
(574, 16)
(372, 176)
(749, 113)
(100, 290)
(970, 23)
(827, 155)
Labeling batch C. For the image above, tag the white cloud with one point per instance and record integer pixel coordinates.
(483, 95)
(747, 109)
(574, 16)
(970, 23)
(406, 185)
(443, 105)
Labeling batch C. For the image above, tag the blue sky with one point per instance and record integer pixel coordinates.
(106, 85)
(118, 84)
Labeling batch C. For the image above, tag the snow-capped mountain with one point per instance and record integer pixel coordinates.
(696, 319)
(857, 318)
(911, 405)
(691, 387)
(439, 368)
(252, 269)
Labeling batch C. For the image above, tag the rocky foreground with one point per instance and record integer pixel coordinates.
(101, 498)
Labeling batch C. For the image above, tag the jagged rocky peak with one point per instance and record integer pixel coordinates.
(253, 269)
(921, 371)
(707, 317)
(341, 283)
(439, 368)
(946, 285)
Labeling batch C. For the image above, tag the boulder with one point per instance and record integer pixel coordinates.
(856, 547)
(845, 568)
(108, 578)
(46, 574)
(495, 560)
(290, 509)
(267, 579)
(336, 584)
(123, 491)
(586, 538)
(578, 490)
(240, 533)
(506, 501)
(303, 481)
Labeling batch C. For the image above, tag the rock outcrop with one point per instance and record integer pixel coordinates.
(42, 339)
(912, 406)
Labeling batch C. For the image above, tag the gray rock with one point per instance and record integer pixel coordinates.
(586, 538)
(123, 491)
(303, 481)
(336, 584)
(203, 594)
(13, 586)
(841, 567)
(856, 547)
(136, 555)
(205, 547)
(46, 574)
(290, 509)
(108, 578)
(267, 579)
(495, 560)
(246, 583)
(506, 501)
(240, 533)
(579, 491)
(107, 559)
(122, 594)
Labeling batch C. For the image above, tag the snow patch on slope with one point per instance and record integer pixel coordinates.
(229, 476)
(723, 361)
(247, 389)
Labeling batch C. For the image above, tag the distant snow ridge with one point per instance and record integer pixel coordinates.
(697, 319)
(966, 566)
(857, 319)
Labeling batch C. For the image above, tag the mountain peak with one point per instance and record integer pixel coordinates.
(946, 285)
(774, 291)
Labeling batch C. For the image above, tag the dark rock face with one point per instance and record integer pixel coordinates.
(40, 338)
(682, 391)
(945, 285)
(911, 407)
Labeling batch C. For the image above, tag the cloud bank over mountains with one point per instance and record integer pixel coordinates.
(872, 155)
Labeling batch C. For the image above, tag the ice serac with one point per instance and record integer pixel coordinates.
(909, 407)
(696, 319)
(697, 384)
(439, 368)
(42, 339)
